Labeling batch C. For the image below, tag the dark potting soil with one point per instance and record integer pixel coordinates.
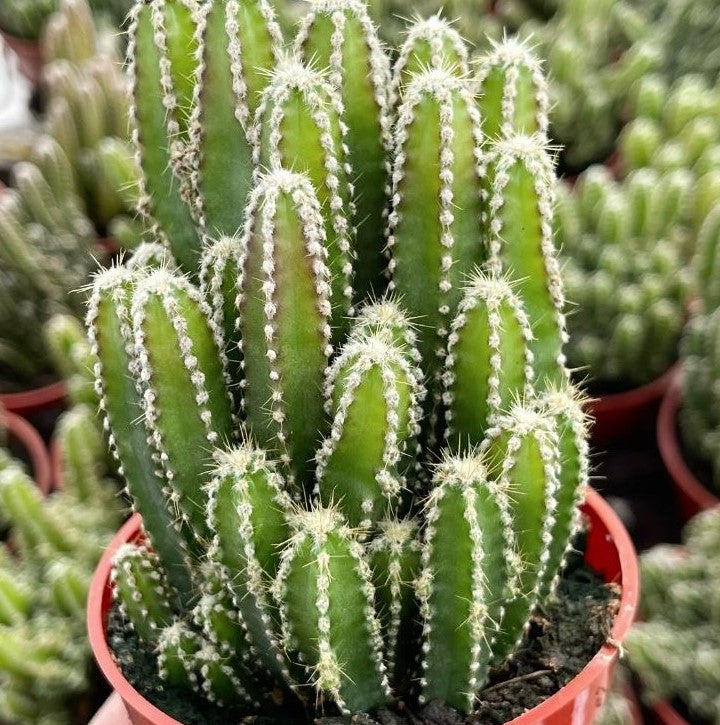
(561, 640)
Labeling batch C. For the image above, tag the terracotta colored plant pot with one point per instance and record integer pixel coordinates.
(29, 53)
(609, 552)
(25, 435)
(665, 714)
(691, 494)
(617, 414)
(38, 399)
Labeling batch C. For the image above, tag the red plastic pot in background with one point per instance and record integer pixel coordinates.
(617, 414)
(29, 53)
(691, 494)
(665, 714)
(609, 552)
(47, 397)
(23, 434)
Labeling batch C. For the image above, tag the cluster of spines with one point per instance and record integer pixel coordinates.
(372, 376)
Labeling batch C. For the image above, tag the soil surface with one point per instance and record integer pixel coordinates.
(561, 640)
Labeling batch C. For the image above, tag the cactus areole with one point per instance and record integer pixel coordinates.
(345, 419)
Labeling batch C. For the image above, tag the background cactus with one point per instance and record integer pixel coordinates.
(25, 18)
(45, 259)
(45, 577)
(675, 650)
(281, 464)
(626, 247)
(87, 111)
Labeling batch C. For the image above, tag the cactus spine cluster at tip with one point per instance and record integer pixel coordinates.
(340, 36)
(626, 248)
(300, 558)
(45, 577)
(675, 649)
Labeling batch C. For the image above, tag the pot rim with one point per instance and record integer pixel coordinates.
(604, 658)
(671, 452)
(35, 399)
(635, 397)
(30, 439)
(666, 714)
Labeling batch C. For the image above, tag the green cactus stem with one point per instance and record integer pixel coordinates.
(434, 227)
(707, 261)
(513, 91)
(340, 36)
(489, 364)
(524, 455)
(185, 400)
(283, 311)
(16, 595)
(430, 43)
(520, 209)
(161, 54)
(470, 568)
(299, 126)
(109, 323)
(239, 43)
(373, 396)
(69, 585)
(395, 561)
(566, 407)
(326, 600)
(220, 682)
(142, 592)
(247, 517)
(151, 255)
(177, 647)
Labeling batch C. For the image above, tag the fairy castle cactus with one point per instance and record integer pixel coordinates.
(88, 102)
(45, 575)
(44, 259)
(272, 423)
(299, 127)
(239, 43)
(675, 649)
(626, 248)
(339, 35)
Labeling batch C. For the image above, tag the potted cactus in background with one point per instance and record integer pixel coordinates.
(692, 458)
(21, 442)
(317, 472)
(674, 650)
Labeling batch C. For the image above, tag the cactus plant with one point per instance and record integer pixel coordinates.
(25, 18)
(627, 246)
(283, 452)
(44, 260)
(675, 650)
(44, 579)
(87, 114)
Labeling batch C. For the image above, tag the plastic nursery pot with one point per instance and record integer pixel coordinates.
(29, 53)
(46, 397)
(665, 714)
(617, 414)
(609, 552)
(20, 432)
(692, 496)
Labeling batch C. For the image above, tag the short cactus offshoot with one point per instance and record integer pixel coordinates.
(300, 536)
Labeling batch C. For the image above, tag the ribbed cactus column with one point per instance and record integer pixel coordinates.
(162, 53)
(520, 186)
(247, 516)
(284, 318)
(327, 607)
(299, 127)
(340, 36)
(373, 395)
(109, 323)
(513, 94)
(185, 399)
(565, 407)
(395, 561)
(239, 41)
(470, 566)
(523, 451)
(431, 43)
(707, 261)
(435, 224)
(489, 363)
